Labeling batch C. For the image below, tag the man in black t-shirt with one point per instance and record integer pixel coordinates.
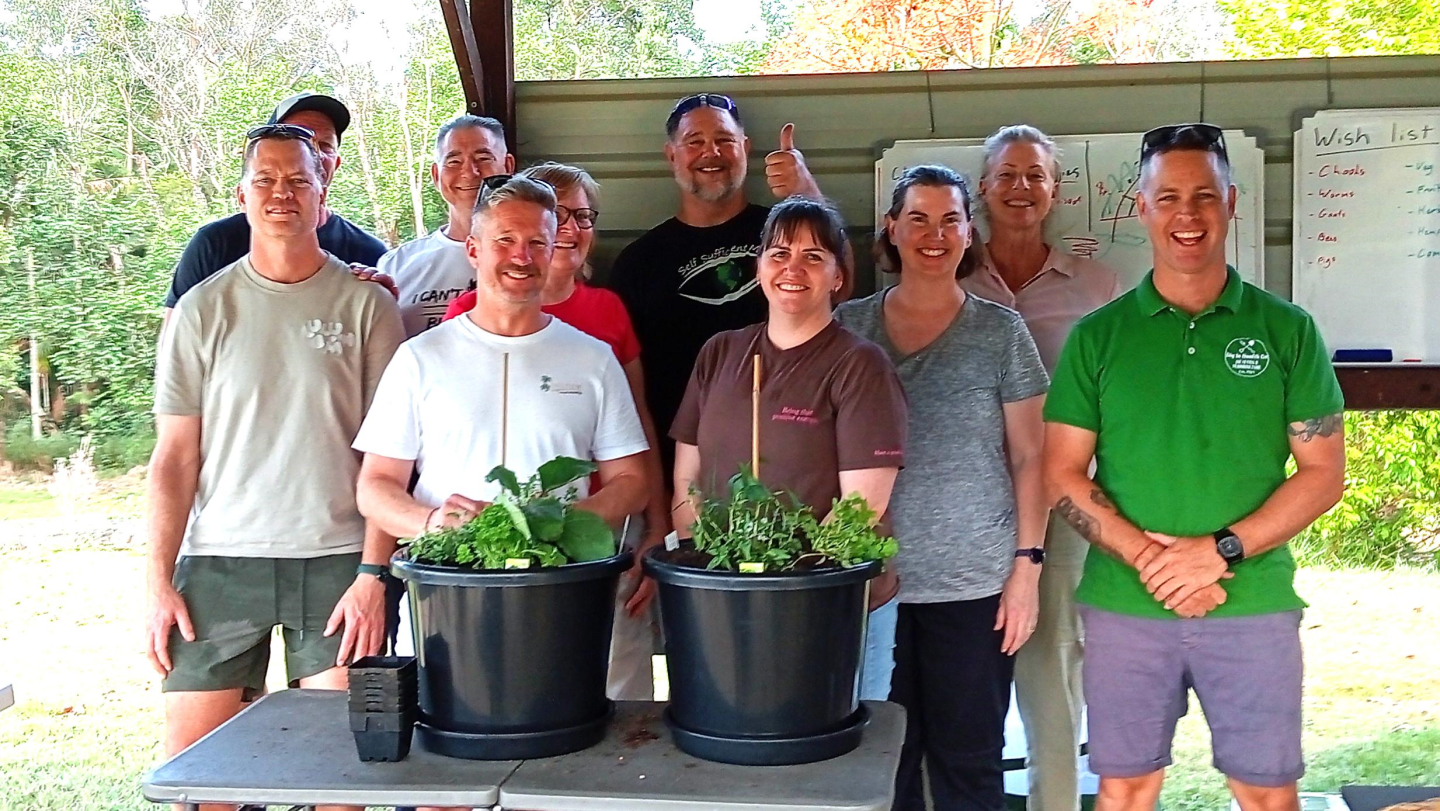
(223, 242)
(693, 275)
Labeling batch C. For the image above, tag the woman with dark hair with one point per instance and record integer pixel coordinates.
(1051, 289)
(832, 411)
(969, 508)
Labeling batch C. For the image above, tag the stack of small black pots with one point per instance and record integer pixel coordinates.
(382, 706)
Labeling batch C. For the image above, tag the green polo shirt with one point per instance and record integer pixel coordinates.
(1190, 416)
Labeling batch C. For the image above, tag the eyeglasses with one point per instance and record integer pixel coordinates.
(1204, 136)
(283, 131)
(585, 218)
(685, 105)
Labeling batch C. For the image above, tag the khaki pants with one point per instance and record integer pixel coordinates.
(632, 639)
(1047, 676)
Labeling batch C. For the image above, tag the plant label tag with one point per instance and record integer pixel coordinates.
(672, 541)
(750, 567)
(517, 563)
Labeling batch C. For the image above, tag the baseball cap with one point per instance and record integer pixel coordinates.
(327, 106)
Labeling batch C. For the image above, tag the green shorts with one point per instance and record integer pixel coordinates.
(235, 604)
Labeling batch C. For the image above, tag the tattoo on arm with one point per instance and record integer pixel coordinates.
(1328, 425)
(1087, 525)
(1083, 522)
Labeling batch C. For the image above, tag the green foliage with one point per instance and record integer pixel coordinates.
(527, 521)
(1284, 28)
(116, 453)
(755, 525)
(1390, 514)
(847, 536)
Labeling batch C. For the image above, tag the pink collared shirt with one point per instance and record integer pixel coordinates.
(1068, 288)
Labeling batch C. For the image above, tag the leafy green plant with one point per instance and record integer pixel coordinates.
(528, 521)
(1389, 516)
(754, 525)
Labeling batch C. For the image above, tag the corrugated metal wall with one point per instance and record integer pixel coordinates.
(616, 128)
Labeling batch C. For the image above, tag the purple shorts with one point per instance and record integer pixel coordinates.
(1246, 672)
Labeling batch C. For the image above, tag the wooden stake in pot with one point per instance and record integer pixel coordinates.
(504, 406)
(755, 421)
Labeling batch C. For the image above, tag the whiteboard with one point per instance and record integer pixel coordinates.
(1095, 215)
(1367, 229)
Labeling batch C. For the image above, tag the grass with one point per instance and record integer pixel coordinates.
(1372, 690)
(119, 496)
(87, 720)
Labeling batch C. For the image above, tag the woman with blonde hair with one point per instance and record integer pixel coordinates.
(1051, 289)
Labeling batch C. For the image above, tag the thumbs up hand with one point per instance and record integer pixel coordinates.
(785, 169)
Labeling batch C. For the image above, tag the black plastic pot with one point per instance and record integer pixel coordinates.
(512, 662)
(382, 737)
(763, 667)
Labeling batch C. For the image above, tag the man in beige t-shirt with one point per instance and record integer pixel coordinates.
(265, 373)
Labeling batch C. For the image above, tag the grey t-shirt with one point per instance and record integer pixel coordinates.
(953, 507)
(280, 376)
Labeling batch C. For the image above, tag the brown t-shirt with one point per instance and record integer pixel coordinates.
(833, 403)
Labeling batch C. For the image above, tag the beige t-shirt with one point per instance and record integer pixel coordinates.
(281, 376)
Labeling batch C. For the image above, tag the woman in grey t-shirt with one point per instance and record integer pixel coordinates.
(969, 508)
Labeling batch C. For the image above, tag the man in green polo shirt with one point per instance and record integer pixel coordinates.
(1191, 392)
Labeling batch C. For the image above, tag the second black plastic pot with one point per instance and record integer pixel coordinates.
(763, 668)
(512, 663)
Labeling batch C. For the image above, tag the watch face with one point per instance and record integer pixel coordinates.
(1230, 547)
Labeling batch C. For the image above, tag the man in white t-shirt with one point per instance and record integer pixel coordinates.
(264, 375)
(432, 270)
(440, 406)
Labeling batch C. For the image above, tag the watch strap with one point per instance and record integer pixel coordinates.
(372, 569)
(1036, 554)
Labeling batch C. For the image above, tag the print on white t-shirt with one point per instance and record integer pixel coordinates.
(439, 403)
(430, 272)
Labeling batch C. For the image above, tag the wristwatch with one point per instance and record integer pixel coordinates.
(1228, 545)
(1036, 554)
(375, 570)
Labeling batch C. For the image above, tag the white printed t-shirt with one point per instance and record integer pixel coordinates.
(439, 403)
(430, 272)
(280, 376)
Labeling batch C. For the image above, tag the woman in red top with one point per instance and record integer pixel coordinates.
(599, 313)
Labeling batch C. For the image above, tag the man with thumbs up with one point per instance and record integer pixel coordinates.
(693, 275)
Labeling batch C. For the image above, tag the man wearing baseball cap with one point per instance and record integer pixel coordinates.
(223, 242)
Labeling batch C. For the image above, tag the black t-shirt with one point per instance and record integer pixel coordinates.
(222, 243)
(682, 285)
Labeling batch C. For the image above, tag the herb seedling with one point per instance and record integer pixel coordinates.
(527, 521)
(755, 525)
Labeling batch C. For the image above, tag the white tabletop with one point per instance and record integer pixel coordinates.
(637, 766)
(295, 747)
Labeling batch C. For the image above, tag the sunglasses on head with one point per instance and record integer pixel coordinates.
(285, 131)
(1204, 136)
(494, 182)
(685, 105)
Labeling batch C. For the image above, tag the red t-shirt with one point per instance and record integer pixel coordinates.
(594, 311)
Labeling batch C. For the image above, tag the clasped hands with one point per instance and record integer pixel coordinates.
(1184, 574)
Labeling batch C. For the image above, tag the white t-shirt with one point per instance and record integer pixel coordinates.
(439, 403)
(430, 272)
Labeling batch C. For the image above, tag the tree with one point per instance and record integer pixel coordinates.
(1287, 28)
(884, 35)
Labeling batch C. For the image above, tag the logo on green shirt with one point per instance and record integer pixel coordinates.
(1247, 357)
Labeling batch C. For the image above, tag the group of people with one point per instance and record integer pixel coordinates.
(1069, 467)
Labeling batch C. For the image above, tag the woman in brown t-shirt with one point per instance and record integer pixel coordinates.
(832, 418)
